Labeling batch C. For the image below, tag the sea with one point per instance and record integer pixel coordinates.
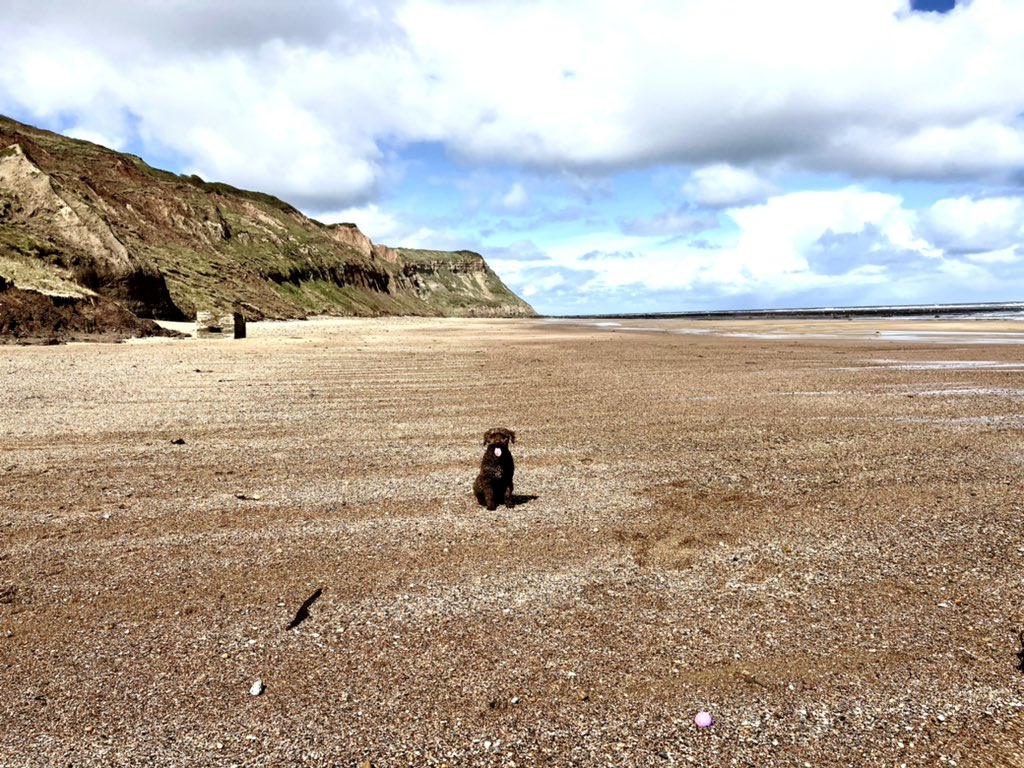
(985, 311)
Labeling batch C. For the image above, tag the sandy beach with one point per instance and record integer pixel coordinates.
(811, 530)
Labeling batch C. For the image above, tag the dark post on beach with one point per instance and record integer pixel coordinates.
(239, 325)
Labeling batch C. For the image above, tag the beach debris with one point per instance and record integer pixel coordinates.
(303, 613)
(1020, 653)
(178, 441)
(703, 719)
(247, 496)
(257, 688)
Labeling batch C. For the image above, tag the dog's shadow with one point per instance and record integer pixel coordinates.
(519, 498)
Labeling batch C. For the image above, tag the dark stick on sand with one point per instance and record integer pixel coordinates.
(303, 613)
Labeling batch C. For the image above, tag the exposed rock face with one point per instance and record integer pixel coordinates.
(79, 245)
(30, 317)
(78, 220)
(31, 194)
(349, 235)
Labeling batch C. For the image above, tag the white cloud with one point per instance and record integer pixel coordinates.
(516, 199)
(722, 185)
(967, 225)
(806, 248)
(301, 102)
(981, 147)
(776, 236)
(815, 84)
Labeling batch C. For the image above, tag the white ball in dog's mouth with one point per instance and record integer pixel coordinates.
(497, 451)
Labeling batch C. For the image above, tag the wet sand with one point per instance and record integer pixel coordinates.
(959, 331)
(806, 528)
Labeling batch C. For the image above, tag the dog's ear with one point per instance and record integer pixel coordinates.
(511, 436)
(487, 436)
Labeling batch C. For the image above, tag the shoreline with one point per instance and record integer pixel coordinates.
(978, 330)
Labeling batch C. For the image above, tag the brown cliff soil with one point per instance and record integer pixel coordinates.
(28, 317)
(816, 539)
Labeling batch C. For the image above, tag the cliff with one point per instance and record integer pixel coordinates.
(87, 224)
(460, 281)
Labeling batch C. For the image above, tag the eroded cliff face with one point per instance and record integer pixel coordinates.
(58, 232)
(80, 220)
(29, 193)
(31, 317)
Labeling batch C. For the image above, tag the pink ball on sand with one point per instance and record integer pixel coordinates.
(703, 719)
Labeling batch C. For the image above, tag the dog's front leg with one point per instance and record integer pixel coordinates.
(489, 498)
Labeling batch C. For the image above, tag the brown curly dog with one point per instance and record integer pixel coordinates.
(494, 483)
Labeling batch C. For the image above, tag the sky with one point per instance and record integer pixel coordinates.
(604, 157)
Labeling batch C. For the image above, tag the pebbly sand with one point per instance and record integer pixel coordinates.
(811, 530)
